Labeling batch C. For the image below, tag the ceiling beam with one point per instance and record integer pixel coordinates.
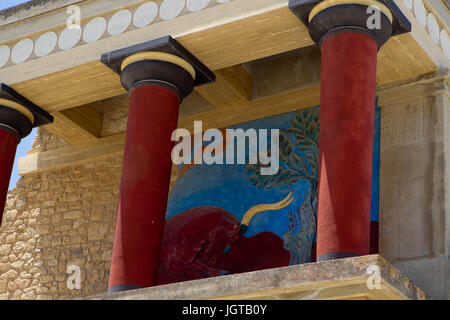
(77, 125)
(233, 86)
(217, 118)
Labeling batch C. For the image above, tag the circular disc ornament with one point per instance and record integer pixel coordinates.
(171, 9)
(45, 44)
(119, 22)
(94, 30)
(5, 53)
(22, 51)
(69, 37)
(145, 14)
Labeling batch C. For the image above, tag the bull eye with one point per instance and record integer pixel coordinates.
(243, 229)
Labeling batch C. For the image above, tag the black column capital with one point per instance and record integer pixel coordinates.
(163, 61)
(19, 115)
(326, 17)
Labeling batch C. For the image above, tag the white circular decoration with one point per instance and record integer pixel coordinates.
(420, 13)
(94, 30)
(197, 5)
(5, 52)
(171, 9)
(222, 1)
(145, 14)
(45, 44)
(22, 51)
(445, 43)
(433, 27)
(69, 38)
(119, 22)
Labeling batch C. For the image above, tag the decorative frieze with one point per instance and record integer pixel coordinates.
(435, 28)
(100, 27)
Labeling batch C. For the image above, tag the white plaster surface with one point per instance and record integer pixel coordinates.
(69, 38)
(119, 22)
(445, 43)
(197, 5)
(145, 14)
(22, 51)
(95, 29)
(171, 9)
(408, 4)
(420, 12)
(45, 44)
(5, 53)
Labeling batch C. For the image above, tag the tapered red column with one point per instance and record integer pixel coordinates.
(158, 76)
(17, 118)
(350, 34)
(8, 146)
(144, 187)
(347, 107)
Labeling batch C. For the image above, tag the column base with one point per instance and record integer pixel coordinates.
(336, 255)
(123, 287)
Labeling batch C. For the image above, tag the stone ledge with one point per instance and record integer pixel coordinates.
(31, 9)
(336, 279)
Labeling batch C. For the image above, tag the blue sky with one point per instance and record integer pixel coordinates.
(25, 145)
(10, 3)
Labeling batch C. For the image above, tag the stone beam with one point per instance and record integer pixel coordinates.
(233, 86)
(77, 125)
(217, 118)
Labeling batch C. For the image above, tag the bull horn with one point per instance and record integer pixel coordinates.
(265, 207)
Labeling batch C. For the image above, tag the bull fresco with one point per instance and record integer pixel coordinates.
(225, 219)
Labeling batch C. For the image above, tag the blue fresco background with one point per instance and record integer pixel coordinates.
(229, 187)
(375, 203)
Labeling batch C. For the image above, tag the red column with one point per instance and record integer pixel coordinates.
(144, 187)
(158, 74)
(8, 146)
(18, 116)
(348, 81)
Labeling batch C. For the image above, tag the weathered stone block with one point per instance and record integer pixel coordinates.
(97, 231)
(428, 273)
(10, 215)
(3, 285)
(11, 238)
(4, 296)
(10, 275)
(18, 265)
(76, 214)
(18, 247)
(4, 267)
(18, 284)
(31, 295)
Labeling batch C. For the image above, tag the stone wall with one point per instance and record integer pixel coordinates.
(57, 219)
(414, 181)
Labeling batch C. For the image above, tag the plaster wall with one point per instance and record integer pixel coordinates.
(414, 181)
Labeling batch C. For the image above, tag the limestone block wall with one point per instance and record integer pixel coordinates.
(414, 181)
(57, 219)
